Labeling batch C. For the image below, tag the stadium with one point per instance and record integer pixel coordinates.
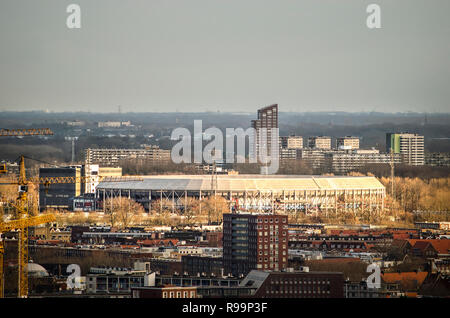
(259, 193)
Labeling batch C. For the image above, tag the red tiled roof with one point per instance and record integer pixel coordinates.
(157, 242)
(405, 278)
(441, 246)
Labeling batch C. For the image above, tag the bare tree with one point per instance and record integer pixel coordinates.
(122, 211)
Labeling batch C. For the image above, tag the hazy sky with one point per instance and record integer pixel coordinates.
(227, 55)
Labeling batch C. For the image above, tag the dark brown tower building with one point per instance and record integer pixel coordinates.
(267, 118)
(254, 241)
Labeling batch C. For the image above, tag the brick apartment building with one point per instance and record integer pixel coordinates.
(254, 241)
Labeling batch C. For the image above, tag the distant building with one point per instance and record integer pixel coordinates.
(290, 153)
(319, 142)
(112, 157)
(113, 124)
(75, 123)
(254, 241)
(347, 142)
(59, 195)
(410, 146)
(290, 147)
(315, 158)
(291, 142)
(437, 159)
(345, 161)
(267, 119)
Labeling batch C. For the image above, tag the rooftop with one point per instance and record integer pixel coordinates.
(251, 182)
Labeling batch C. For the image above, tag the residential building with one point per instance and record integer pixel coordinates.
(112, 157)
(267, 120)
(291, 142)
(113, 124)
(106, 280)
(290, 146)
(410, 146)
(254, 241)
(347, 142)
(347, 160)
(360, 290)
(319, 142)
(437, 159)
(289, 153)
(313, 157)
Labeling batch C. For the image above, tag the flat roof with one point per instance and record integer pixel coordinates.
(249, 182)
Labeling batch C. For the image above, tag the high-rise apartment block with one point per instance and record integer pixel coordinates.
(347, 142)
(112, 157)
(319, 142)
(290, 147)
(267, 119)
(291, 142)
(410, 146)
(254, 241)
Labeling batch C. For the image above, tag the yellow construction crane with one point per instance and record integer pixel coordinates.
(23, 218)
(20, 224)
(25, 221)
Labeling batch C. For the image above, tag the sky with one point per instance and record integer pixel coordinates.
(225, 55)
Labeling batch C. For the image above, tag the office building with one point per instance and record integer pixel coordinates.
(295, 284)
(59, 195)
(254, 241)
(409, 146)
(319, 142)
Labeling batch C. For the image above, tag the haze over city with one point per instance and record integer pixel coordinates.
(238, 152)
(232, 56)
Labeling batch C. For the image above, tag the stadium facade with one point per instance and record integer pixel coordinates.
(258, 193)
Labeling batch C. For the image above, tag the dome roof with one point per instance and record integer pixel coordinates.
(36, 270)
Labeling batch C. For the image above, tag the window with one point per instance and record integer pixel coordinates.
(164, 295)
(171, 295)
(178, 294)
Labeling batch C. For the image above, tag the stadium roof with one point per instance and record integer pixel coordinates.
(247, 183)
